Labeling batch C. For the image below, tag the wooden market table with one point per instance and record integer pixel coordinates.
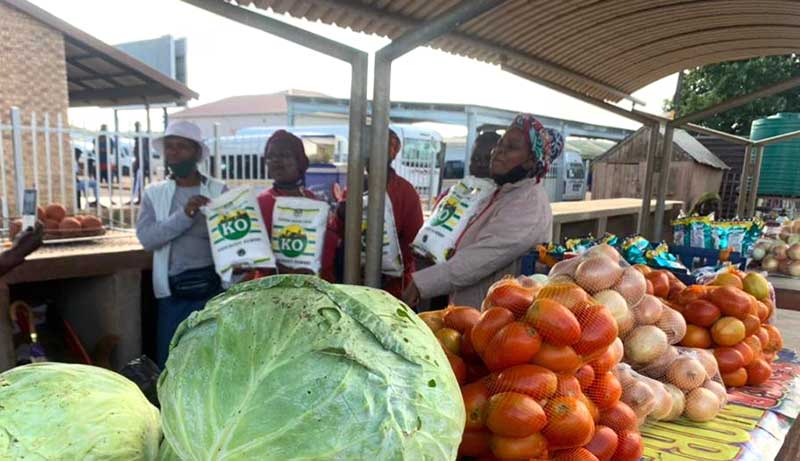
(97, 286)
(787, 292)
(618, 216)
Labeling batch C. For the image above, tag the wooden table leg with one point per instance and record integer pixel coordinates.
(7, 355)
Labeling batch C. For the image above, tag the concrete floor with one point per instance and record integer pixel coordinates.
(788, 323)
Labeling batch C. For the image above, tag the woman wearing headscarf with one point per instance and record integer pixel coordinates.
(287, 163)
(517, 218)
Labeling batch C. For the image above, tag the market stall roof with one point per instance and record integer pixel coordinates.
(606, 50)
(100, 75)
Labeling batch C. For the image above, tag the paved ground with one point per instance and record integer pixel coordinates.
(789, 324)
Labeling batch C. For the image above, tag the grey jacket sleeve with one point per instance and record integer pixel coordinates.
(155, 234)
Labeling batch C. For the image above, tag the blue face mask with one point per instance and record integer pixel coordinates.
(183, 169)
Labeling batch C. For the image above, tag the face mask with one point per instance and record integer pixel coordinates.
(515, 174)
(184, 168)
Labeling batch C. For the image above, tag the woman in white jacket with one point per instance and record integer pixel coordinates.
(171, 227)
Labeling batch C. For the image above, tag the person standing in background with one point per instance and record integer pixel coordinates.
(171, 226)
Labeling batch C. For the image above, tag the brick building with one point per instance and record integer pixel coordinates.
(49, 66)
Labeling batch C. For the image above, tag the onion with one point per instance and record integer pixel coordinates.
(769, 263)
(657, 369)
(626, 324)
(673, 324)
(780, 251)
(597, 273)
(794, 268)
(718, 390)
(663, 401)
(645, 344)
(640, 398)
(759, 252)
(678, 402)
(565, 267)
(632, 286)
(624, 374)
(648, 311)
(702, 405)
(708, 361)
(614, 302)
(561, 279)
(618, 349)
(794, 252)
(687, 373)
(606, 250)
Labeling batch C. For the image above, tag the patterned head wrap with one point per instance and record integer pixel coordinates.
(556, 143)
(539, 140)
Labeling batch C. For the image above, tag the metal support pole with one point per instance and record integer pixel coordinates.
(3, 182)
(19, 166)
(663, 183)
(116, 147)
(217, 157)
(647, 191)
(35, 151)
(48, 158)
(62, 177)
(472, 135)
(751, 208)
(166, 118)
(355, 168)
(741, 206)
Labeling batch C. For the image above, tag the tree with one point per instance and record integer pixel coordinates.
(705, 86)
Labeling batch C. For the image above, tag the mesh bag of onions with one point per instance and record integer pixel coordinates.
(548, 391)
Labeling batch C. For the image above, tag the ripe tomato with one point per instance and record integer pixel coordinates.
(585, 376)
(512, 414)
(737, 378)
(490, 322)
(775, 343)
(517, 343)
(569, 423)
(461, 318)
(450, 339)
(619, 417)
(650, 289)
(475, 395)
(476, 370)
(728, 331)
(458, 366)
(643, 269)
(755, 346)
(467, 350)
(731, 301)
(629, 446)
(751, 324)
(533, 446)
(532, 380)
(728, 359)
(593, 410)
(660, 283)
(568, 386)
(758, 372)
(475, 443)
(574, 454)
(433, 319)
(747, 353)
(511, 295)
(605, 362)
(605, 391)
(568, 295)
(603, 444)
(598, 328)
(559, 359)
(557, 325)
(691, 293)
(763, 336)
(763, 312)
(701, 313)
(698, 337)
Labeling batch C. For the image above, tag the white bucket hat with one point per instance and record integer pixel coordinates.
(183, 129)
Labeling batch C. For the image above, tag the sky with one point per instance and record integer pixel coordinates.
(228, 59)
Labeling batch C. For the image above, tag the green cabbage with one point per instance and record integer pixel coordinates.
(291, 367)
(58, 411)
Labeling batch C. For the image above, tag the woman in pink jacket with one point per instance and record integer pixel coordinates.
(517, 219)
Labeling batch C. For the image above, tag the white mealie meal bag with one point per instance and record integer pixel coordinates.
(392, 261)
(298, 232)
(465, 200)
(237, 234)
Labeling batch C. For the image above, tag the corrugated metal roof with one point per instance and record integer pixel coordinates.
(256, 104)
(619, 44)
(697, 150)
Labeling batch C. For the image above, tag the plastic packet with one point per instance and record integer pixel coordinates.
(700, 232)
(237, 234)
(144, 373)
(680, 233)
(440, 233)
(298, 232)
(392, 259)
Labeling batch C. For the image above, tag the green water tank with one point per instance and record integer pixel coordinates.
(780, 169)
